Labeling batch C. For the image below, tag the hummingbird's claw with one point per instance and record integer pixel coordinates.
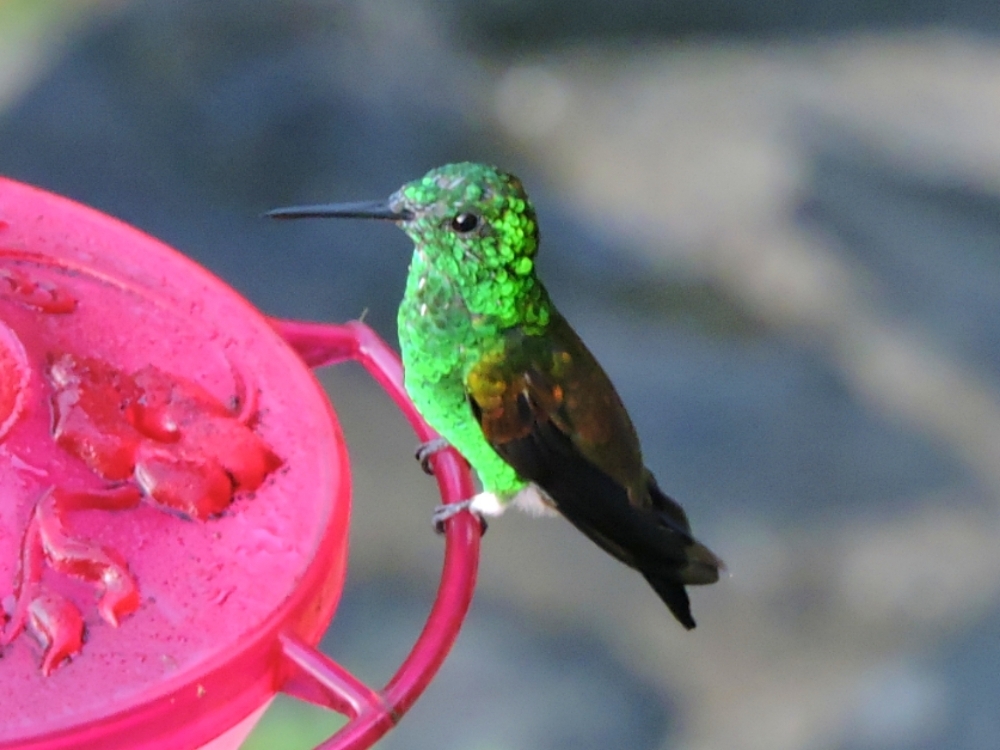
(428, 449)
(443, 512)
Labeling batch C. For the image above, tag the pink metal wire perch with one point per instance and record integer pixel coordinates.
(312, 676)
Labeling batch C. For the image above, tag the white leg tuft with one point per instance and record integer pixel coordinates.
(487, 504)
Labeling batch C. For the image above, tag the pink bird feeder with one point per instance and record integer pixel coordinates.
(175, 499)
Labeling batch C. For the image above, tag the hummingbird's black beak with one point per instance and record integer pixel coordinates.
(363, 210)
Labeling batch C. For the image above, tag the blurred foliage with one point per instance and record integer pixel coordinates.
(289, 724)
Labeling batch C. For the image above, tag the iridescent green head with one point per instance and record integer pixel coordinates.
(470, 213)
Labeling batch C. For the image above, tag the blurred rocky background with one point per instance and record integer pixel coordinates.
(777, 224)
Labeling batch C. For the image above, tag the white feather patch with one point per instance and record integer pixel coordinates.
(531, 500)
(535, 502)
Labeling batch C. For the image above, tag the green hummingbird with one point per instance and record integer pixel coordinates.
(496, 370)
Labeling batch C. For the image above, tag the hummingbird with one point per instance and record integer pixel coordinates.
(494, 368)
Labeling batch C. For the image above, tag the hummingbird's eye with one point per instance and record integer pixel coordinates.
(465, 223)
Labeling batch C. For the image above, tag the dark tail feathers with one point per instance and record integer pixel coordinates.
(673, 595)
(655, 540)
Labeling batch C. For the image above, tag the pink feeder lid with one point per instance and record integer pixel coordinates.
(175, 497)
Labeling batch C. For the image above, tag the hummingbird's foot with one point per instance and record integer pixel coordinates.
(428, 449)
(443, 512)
